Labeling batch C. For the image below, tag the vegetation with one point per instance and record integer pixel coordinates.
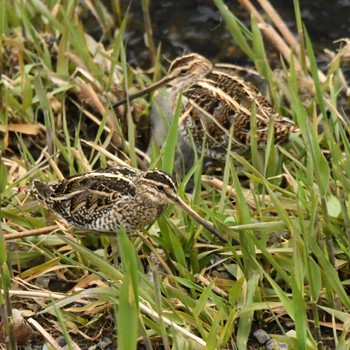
(290, 217)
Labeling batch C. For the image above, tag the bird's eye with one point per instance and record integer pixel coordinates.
(184, 71)
(160, 188)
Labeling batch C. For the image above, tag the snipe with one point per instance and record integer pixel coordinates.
(214, 102)
(114, 198)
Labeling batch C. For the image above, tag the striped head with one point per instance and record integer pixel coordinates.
(158, 187)
(183, 72)
(187, 70)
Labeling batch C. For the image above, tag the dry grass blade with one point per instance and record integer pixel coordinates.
(280, 25)
(28, 129)
(30, 233)
(46, 335)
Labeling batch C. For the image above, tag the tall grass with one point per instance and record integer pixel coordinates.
(291, 217)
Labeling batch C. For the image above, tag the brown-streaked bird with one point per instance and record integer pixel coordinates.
(215, 101)
(114, 198)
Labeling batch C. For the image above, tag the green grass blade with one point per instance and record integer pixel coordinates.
(128, 304)
(238, 31)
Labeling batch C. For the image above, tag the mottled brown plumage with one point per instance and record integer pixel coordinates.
(216, 101)
(112, 199)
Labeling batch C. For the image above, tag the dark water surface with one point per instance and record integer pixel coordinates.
(196, 26)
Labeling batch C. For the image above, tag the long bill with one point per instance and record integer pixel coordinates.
(146, 90)
(178, 201)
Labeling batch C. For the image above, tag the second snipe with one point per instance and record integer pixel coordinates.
(213, 103)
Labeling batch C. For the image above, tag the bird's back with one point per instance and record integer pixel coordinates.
(87, 200)
(221, 101)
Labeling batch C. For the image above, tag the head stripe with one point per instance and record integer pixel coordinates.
(182, 61)
(160, 177)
